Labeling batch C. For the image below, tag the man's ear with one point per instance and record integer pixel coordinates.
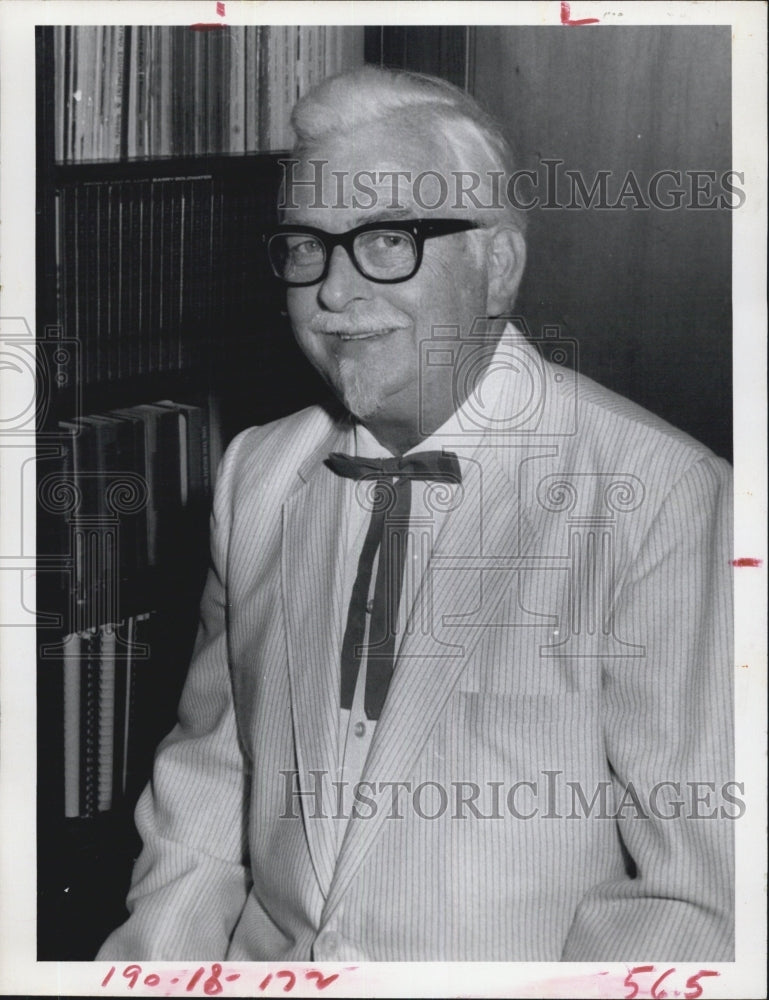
(505, 258)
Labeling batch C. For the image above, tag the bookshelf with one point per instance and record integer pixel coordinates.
(161, 334)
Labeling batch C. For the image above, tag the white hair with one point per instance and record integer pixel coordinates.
(414, 103)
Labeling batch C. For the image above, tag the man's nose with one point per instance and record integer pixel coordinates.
(343, 282)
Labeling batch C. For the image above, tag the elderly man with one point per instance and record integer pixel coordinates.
(462, 683)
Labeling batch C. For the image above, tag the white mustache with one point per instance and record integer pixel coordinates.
(356, 320)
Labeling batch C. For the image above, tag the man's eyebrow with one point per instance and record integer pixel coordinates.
(384, 215)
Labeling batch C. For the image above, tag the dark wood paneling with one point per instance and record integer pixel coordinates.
(647, 293)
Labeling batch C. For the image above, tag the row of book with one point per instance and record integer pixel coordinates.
(134, 261)
(104, 672)
(148, 272)
(128, 493)
(145, 91)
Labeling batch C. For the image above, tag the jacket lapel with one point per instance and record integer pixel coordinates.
(312, 554)
(489, 526)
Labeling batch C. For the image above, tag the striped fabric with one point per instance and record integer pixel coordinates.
(549, 778)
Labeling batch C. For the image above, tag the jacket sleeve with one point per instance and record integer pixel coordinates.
(669, 740)
(192, 879)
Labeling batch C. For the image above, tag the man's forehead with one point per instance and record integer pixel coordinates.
(371, 192)
(316, 190)
(373, 171)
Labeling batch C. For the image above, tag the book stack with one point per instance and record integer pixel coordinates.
(142, 478)
(104, 670)
(143, 475)
(137, 91)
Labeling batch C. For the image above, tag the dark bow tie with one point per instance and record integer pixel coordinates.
(438, 465)
(388, 535)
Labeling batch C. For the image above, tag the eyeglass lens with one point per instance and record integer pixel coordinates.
(379, 253)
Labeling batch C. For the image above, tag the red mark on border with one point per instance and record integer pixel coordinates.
(566, 16)
(220, 8)
(740, 563)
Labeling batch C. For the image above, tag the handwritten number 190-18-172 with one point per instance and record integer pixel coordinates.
(284, 979)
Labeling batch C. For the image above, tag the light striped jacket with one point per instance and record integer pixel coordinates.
(559, 721)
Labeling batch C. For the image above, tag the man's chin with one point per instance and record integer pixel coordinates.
(362, 404)
(361, 395)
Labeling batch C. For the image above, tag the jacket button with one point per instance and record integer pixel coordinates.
(359, 728)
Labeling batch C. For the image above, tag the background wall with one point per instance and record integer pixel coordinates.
(646, 292)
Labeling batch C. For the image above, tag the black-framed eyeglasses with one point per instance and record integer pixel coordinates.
(385, 252)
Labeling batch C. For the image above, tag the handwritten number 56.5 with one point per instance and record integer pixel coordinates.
(693, 985)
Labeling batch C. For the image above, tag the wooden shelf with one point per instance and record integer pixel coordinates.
(263, 166)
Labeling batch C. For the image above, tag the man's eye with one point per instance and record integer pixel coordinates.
(306, 248)
(386, 244)
(390, 241)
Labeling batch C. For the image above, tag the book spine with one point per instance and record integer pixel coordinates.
(71, 667)
(211, 93)
(102, 338)
(176, 361)
(132, 141)
(122, 707)
(198, 81)
(165, 77)
(71, 103)
(143, 74)
(153, 90)
(115, 130)
(143, 265)
(158, 220)
(58, 242)
(87, 284)
(196, 484)
(106, 717)
(215, 443)
(125, 254)
(187, 138)
(60, 60)
(134, 255)
(102, 76)
(176, 85)
(283, 140)
(132, 739)
(83, 94)
(73, 579)
(114, 267)
(236, 140)
(150, 473)
(205, 453)
(252, 41)
(123, 98)
(89, 724)
(321, 53)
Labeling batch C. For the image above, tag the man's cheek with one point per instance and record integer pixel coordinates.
(300, 306)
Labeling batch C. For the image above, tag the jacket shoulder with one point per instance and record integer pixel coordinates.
(614, 431)
(270, 456)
